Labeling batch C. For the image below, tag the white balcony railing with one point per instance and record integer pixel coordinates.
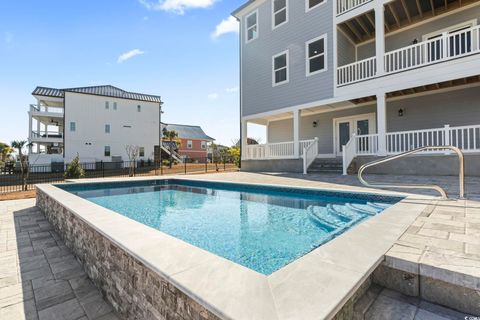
(347, 5)
(279, 150)
(466, 138)
(47, 135)
(446, 47)
(44, 109)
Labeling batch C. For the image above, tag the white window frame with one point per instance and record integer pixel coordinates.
(308, 9)
(74, 126)
(274, 13)
(246, 26)
(286, 52)
(141, 151)
(109, 128)
(105, 151)
(189, 144)
(307, 58)
(203, 145)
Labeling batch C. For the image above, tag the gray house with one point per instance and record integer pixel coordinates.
(341, 82)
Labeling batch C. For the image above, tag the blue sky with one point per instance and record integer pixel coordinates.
(164, 47)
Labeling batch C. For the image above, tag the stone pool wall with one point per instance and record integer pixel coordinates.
(135, 291)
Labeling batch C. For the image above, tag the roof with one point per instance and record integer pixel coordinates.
(243, 6)
(106, 91)
(189, 132)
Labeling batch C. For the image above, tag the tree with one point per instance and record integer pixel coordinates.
(24, 165)
(5, 153)
(74, 169)
(215, 154)
(234, 153)
(132, 153)
(171, 136)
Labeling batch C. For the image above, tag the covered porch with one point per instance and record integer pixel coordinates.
(385, 124)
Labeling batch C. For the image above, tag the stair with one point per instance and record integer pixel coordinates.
(326, 166)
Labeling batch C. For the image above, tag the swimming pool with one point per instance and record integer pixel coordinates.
(260, 227)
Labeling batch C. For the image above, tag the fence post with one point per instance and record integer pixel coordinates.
(103, 169)
(447, 141)
(185, 162)
(206, 165)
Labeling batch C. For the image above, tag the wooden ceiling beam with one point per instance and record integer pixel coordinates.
(407, 13)
(433, 7)
(354, 30)
(363, 26)
(419, 8)
(394, 13)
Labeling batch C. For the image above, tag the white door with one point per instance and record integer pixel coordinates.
(346, 127)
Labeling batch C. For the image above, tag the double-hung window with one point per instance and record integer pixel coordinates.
(280, 68)
(107, 128)
(251, 26)
(204, 145)
(316, 55)
(106, 151)
(313, 4)
(107, 105)
(141, 151)
(279, 12)
(73, 127)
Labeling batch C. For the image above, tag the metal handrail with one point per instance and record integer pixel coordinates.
(461, 171)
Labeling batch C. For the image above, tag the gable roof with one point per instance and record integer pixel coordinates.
(106, 91)
(243, 6)
(188, 132)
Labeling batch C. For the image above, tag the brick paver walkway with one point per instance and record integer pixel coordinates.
(39, 276)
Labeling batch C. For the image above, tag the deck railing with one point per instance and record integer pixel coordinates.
(310, 153)
(36, 108)
(466, 138)
(278, 150)
(445, 47)
(347, 5)
(47, 135)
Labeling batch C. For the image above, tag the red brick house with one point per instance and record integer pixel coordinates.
(194, 141)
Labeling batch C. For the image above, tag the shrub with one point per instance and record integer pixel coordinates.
(74, 170)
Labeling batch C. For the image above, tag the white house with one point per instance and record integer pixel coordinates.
(353, 80)
(97, 123)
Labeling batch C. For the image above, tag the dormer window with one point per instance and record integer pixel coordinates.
(279, 12)
(251, 26)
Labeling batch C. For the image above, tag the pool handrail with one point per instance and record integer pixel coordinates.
(461, 171)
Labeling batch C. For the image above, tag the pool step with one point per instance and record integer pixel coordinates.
(363, 208)
(346, 212)
(378, 205)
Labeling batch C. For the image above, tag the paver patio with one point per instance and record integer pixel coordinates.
(41, 279)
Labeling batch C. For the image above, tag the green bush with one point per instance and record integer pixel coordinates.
(74, 170)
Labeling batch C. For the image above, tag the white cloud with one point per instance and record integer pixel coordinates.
(213, 96)
(176, 6)
(226, 26)
(232, 90)
(130, 54)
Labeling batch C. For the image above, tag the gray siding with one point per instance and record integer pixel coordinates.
(346, 50)
(456, 108)
(257, 91)
(404, 39)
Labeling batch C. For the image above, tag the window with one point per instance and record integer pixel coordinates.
(251, 26)
(279, 13)
(141, 151)
(107, 128)
(313, 4)
(204, 145)
(114, 106)
(139, 108)
(107, 105)
(189, 144)
(280, 68)
(316, 55)
(107, 151)
(73, 127)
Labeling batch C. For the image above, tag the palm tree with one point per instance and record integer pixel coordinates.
(5, 151)
(24, 166)
(171, 136)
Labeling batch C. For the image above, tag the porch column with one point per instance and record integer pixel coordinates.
(296, 133)
(244, 139)
(380, 37)
(30, 130)
(39, 135)
(382, 124)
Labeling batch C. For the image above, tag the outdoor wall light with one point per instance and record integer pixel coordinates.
(401, 112)
(315, 124)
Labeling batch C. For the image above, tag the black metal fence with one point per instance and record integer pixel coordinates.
(12, 180)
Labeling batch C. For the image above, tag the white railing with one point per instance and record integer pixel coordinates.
(310, 153)
(466, 138)
(255, 152)
(47, 135)
(446, 47)
(36, 108)
(357, 71)
(304, 144)
(347, 5)
(279, 150)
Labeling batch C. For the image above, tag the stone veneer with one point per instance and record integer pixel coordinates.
(135, 291)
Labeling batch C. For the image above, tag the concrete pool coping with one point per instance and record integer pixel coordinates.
(314, 286)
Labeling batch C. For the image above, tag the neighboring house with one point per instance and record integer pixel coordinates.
(367, 78)
(193, 140)
(94, 122)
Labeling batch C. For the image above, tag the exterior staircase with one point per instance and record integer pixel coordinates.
(333, 165)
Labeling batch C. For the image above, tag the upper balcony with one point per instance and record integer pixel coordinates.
(344, 6)
(441, 48)
(46, 111)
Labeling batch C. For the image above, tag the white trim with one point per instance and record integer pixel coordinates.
(189, 144)
(466, 24)
(307, 58)
(286, 52)
(247, 28)
(308, 9)
(274, 13)
(372, 117)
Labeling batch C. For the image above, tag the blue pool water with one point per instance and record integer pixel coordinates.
(260, 227)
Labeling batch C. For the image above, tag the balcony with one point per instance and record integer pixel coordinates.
(344, 6)
(46, 111)
(280, 150)
(46, 136)
(447, 47)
